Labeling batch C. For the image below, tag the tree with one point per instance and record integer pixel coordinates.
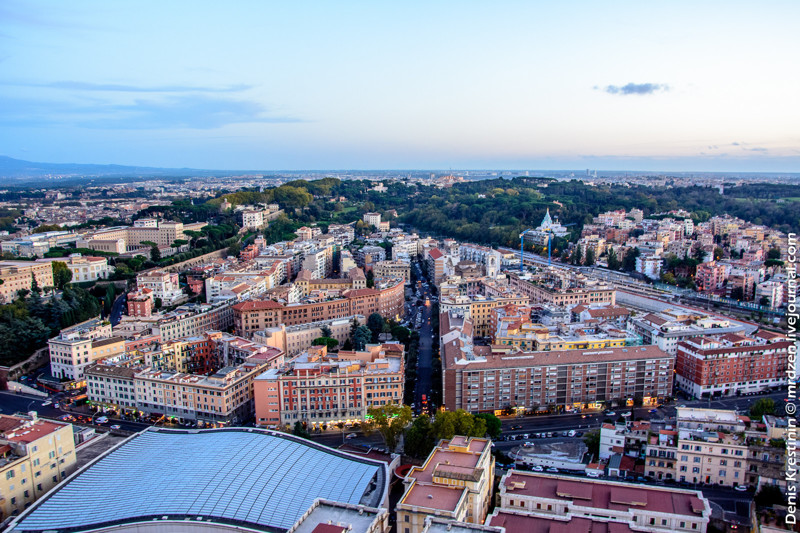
(419, 441)
(450, 423)
(300, 430)
(61, 274)
(326, 331)
(370, 279)
(592, 441)
(155, 254)
(390, 421)
(157, 303)
(589, 261)
(718, 253)
(761, 407)
(35, 285)
(362, 336)
(577, 254)
(629, 261)
(234, 249)
(326, 341)
(493, 425)
(47, 227)
(375, 324)
(769, 495)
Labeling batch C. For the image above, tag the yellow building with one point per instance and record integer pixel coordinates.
(712, 458)
(35, 455)
(18, 275)
(454, 483)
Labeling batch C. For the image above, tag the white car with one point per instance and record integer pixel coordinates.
(537, 468)
(115, 426)
(593, 474)
(351, 435)
(101, 420)
(740, 488)
(571, 433)
(46, 403)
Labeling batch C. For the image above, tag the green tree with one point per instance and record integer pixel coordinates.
(493, 426)
(361, 338)
(592, 441)
(589, 261)
(450, 423)
(375, 324)
(47, 227)
(234, 249)
(35, 285)
(326, 331)
(761, 407)
(157, 303)
(769, 496)
(61, 274)
(419, 440)
(629, 261)
(390, 421)
(300, 430)
(326, 341)
(576, 256)
(155, 254)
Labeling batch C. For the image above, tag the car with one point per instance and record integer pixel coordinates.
(537, 468)
(592, 474)
(740, 488)
(550, 434)
(516, 427)
(583, 416)
(528, 444)
(611, 413)
(553, 470)
(525, 436)
(564, 433)
(351, 435)
(626, 415)
(653, 411)
(46, 403)
(101, 420)
(682, 406)
(56, 405)
(115, 426)
(571, 433)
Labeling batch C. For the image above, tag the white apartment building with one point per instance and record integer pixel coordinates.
(77, 347)
(163, 284)
(373, 219)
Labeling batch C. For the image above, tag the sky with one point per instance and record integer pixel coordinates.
(694, 85)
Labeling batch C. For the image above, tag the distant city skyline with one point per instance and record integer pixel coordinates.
(684, 86)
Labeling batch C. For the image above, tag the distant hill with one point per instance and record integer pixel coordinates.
(28, 170)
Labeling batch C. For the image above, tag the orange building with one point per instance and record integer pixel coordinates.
(320, 388)
(257, 315)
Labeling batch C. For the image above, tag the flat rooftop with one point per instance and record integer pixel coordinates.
(235, 477)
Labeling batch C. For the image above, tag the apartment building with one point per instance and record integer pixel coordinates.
(392, 269)
(435, 263)
(373, 219)
(454, 483)
(35, 455)
(84, 268)
(711, 447)
(294, 339)
(121, 239)
(19, 275)
(256, 315)
(81, 345)
(661, 455)
(194, 319)
(669, 327)
(223, 398)
(478, 309)
(164, 285)
(112, 385)
(480, 379)
(320, 388)
(562, 297)
(140, 303)
(732, 363)
(529, 501)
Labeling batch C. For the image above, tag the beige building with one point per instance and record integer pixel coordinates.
(711, 447)
(478, 309)
(392, 269)
(541, 294)
(79, 346)
(19, 275)
(35, 455)
(454, 483)
(294, 339)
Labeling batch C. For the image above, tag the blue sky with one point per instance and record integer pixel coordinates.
(370, 85)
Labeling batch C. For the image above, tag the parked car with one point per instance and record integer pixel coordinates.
(571, 433)
(553, 470)
(537, 468)
(101, 420)
(593, 473)
(611, 413)
(740, 488)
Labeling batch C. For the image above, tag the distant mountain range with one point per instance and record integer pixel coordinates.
(23, 171)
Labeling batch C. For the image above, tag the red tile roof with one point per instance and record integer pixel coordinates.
(257, 305)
